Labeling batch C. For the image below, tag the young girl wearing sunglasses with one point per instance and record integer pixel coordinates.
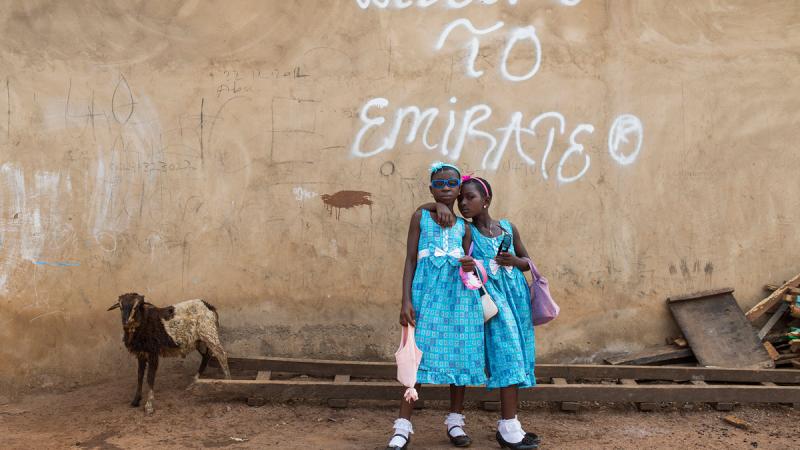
(510, 344)
(447, 316)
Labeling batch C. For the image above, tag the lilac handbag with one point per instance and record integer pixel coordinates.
(543, 307)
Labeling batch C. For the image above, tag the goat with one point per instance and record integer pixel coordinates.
(150, 332)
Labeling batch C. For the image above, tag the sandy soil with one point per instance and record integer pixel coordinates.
(98, 416)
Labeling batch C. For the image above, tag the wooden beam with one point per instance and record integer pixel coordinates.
(566, 406)
(650, 356)
(339, 402)
(384, 390)
(764, 305)
(642, 406)
(775, 287)
(490, 406)
(772, 352)
(338, 379)
(388, 370)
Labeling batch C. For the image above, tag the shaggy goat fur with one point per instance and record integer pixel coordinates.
(177, 330)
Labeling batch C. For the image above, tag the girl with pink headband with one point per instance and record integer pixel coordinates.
(510, 344)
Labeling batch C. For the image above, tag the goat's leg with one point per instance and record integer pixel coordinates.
(138, 397)
(204, 362)
(211, 339)
(152, 367)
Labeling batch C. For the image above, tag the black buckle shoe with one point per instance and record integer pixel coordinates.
(459, 441)
(529, 442)
(534, 437)
(394, 447)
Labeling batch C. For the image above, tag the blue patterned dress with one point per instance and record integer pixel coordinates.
(449, 316)
(510, 344)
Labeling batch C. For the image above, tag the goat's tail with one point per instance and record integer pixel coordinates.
(213, 309)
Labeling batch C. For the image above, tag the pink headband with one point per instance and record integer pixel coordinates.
(470, 177)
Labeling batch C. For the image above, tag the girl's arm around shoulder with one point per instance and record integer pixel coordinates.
(440, 213)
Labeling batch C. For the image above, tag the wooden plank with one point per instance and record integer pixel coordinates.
(771, 351)
(775, 287)
(764, 305)
(566, 406)
(490, 406)
(654, 373)
(313, 367)
(653, 355)
(718, 332)
(719, 406)
(341, 379)
(385, 390)
(773, 320)
(264, 375)
(641, 406)
(388, 370)
(339, 402)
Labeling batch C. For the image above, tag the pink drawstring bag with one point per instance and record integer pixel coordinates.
(474, 281)
(408, 357)
(543, 307)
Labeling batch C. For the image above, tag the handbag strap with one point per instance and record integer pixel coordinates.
(407, 336)
(534, 273)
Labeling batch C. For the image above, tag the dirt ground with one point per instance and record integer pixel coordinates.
(98, 416)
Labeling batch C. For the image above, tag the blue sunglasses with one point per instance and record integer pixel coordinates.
(450, 182)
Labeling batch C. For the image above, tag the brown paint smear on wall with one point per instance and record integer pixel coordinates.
(346, 200)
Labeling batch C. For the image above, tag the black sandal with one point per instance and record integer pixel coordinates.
(529, 442)
(459, 441)
(394, 447)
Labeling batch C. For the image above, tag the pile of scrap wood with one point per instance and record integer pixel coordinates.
(780, 332)
(717, 333)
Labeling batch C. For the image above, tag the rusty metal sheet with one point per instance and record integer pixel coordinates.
(717, 330)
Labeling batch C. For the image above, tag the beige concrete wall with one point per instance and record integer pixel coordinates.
(185, 149)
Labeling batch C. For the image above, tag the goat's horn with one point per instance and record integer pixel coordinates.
(114, 306)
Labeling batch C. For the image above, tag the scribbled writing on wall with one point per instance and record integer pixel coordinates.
(383, 125)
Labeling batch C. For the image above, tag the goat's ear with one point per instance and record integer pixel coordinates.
(114, 306)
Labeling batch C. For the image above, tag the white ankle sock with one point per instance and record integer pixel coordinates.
(403, 428)
(455, 420)
(511, 430)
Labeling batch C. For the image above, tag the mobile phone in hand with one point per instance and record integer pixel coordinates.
(505, 244)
